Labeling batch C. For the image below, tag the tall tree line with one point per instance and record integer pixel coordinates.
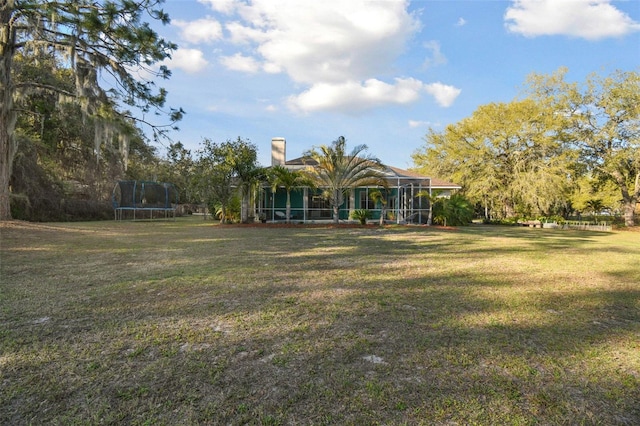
(58, 170)
(81, 40)
(539, 155)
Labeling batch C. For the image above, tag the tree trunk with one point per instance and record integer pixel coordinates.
(629, 210)
(288, 209)
(7, 152)
(629, 199)
(336, 200)
(509, 209)
(8, 144)
(223, 214)
(244, 207)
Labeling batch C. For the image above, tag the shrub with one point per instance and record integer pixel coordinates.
(233, 210)
(456, 210)
(551, 219)
(361, 215)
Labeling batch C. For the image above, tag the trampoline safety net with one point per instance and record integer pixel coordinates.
(133, 196)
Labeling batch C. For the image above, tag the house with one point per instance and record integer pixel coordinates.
(403, 201)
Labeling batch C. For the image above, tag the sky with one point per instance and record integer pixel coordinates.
(378, 72)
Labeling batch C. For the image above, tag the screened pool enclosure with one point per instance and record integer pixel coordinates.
(404, 201)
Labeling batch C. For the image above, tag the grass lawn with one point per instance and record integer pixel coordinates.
(186, 322)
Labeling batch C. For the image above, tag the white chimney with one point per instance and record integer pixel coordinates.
(278, 151)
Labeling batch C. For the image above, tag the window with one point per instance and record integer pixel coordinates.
(319, 207)
(365, 201)
(392, 203)
(318, 202)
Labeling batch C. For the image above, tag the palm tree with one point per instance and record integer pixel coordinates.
(432, 198)
(456, 210)
(281, 177)
(248, 181)
(337, 172)
(380, 195)
(595, 205)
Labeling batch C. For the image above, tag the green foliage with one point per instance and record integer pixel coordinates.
(588, 188)
(595, 205)
(380, 195)
(506, 155)
(224, 170)
(213, 177)
(20, 207)
(248, 173)
(179, 171)
(230, 213)
(432, 197)
(453, 211)
(58, 168)
(291, 180)
(528, 157)
(281, 177)
(336, 171)
(361, 215)
(54, 53)
(602, 125)
(552, 219)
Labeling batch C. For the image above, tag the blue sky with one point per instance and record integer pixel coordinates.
(378, 72)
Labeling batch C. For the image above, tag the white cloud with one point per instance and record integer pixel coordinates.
(444, 94)
(418, 123)
(339, 50)
(204, 30)
(188, 60)
(589, 19)
(224, 6)
(353, 96)
(461, 22)
(241, 34)
(328, 41)
(239, 62)
(436, 56)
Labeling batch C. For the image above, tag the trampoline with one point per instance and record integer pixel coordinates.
(142, 199)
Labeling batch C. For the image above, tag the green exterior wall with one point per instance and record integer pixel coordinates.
(321, 211)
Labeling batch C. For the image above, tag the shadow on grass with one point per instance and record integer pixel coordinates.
(315, 326)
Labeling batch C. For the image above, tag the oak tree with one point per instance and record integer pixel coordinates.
(603, 116)
(107, 46)
(508, 156)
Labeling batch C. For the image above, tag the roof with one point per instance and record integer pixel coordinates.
(392, 172)
(435, 182)
(301, 161)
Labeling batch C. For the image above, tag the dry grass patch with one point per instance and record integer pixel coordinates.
(191, 323)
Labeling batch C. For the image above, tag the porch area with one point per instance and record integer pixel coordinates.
(405, 200)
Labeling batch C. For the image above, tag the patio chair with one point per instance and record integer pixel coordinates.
(409, 219)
